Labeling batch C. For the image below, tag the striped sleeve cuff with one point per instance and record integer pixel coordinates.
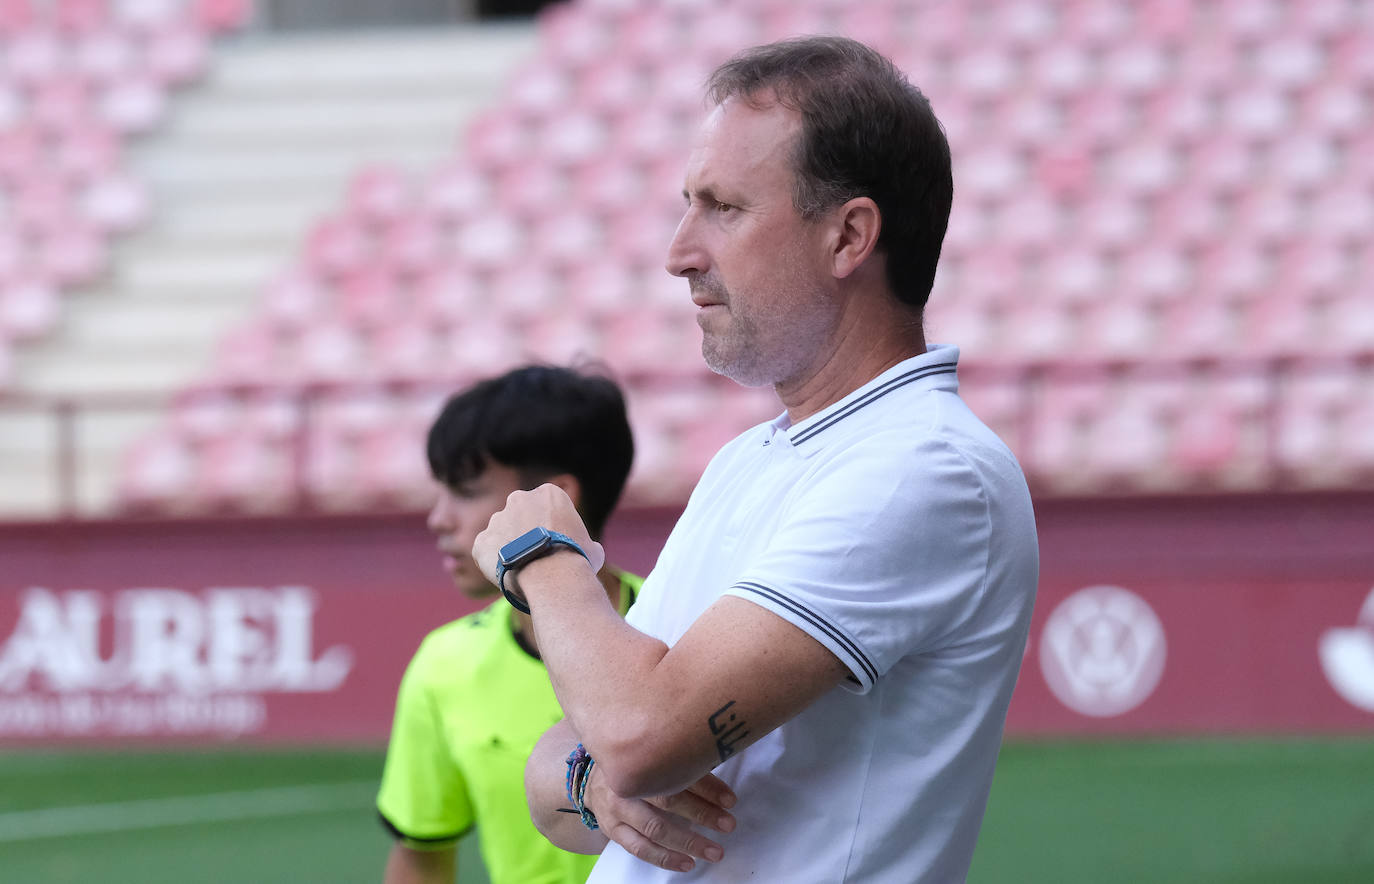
(863, 673)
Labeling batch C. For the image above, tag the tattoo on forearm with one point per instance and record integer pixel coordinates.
(728, 728)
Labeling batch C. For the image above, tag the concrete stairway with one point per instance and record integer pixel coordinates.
(249, 156)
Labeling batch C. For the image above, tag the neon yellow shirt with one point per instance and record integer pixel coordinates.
(471, 706)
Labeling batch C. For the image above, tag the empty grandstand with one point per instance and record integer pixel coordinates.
(1158, 262)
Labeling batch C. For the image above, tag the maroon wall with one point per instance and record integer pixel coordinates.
(1155, 615)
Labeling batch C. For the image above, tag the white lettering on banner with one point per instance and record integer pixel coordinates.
(1102, 651)
(131, 715)
(1347, 657)
(154, 660)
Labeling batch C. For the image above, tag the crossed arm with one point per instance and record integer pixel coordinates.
(656, 719)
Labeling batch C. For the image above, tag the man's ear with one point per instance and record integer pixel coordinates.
(571, 487)
(857, 226)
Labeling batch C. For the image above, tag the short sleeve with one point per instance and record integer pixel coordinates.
(878, 555)
(423, 796)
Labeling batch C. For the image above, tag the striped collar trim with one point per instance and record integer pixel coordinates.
(909, 372)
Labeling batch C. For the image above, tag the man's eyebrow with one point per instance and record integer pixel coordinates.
(704, 194)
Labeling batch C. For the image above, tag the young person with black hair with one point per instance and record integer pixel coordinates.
(476, 696)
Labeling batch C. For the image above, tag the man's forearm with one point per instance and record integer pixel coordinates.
(406, 866)
(546, 793)
(604, 673)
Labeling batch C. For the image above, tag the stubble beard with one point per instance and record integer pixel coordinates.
(738, 351)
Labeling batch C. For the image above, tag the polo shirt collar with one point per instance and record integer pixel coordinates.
(935, 369)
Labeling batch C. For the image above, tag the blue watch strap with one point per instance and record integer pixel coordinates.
(545, 545)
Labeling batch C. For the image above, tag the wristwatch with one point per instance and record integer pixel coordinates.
(533, 544)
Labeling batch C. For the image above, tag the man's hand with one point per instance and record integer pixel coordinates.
(547, 506)
(659, 830)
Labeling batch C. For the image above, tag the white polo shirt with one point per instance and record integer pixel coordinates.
(897, 530)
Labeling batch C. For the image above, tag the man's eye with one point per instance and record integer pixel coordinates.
(724, 207)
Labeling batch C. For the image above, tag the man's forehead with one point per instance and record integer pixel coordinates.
(747, 132)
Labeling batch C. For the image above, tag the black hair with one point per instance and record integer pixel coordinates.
(539, 420)
(866, 131)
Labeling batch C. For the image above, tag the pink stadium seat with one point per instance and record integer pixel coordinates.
(490, 242)
(293, 300)
(369, 299)
(114, 203)
(16, 16)
(393, 469)
(242, 472)
(1054, 454)
(221, 16)
(249, 354)
(454, 192)
(60, 103)
(42, 207)
(1120, 330)
(86, 152)
(608, 186)
(28, 309)
(102, 56)
(336, 248)
(156, 470)
(412, 246)
(1136, 67)
(407, 349)
(147, 16)
(79, 17)
(537, 91)
(567, 238)
(329, 352)
(498, 141)
(533, 192)
(480, 346)
(1129, 439)
(133, 103)
(1342, 214)
(73, 256)
(572, 40)
(202, 416)
(1152, 272)
(380, 195)
(1059, 68)
(558, 341)
(21, 150)
(34, 56)
(1350, 322)
(1250, 19)
(177, 53)
(613, 88)
(573, 138)
(15, 255)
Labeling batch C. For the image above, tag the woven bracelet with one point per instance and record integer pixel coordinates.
(579, 771)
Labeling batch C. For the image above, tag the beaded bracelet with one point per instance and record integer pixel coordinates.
(579, 772)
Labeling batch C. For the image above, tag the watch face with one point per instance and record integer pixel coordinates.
(531, 541)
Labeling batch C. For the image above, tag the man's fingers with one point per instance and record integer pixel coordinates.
(714, 790)
(642, 848)
(665, 833)
(697, 809)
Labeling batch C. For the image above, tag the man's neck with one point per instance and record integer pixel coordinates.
(868, 341)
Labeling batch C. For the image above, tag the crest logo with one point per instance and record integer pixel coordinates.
(1102, 651)
(1347, 656)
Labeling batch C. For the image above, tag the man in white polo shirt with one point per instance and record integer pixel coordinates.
(813, 684)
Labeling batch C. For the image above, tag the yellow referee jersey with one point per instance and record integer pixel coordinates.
(471, 706)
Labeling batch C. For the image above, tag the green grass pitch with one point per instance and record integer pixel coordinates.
(1258, 811)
